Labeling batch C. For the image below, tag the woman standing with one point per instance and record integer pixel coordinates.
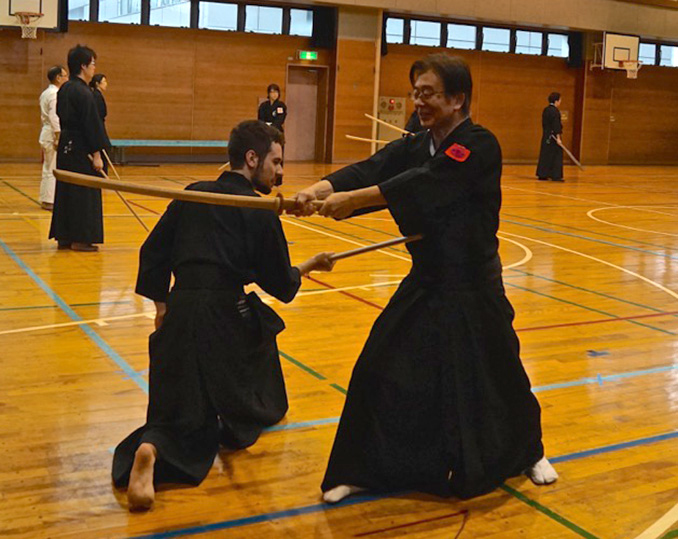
(99, 83)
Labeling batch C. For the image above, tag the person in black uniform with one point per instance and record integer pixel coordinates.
(273, 111)
(215, 375)
(77, 218)
(551, 154)
(99, 83)
(439, 400)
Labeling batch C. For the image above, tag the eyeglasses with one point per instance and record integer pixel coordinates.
(424, 95)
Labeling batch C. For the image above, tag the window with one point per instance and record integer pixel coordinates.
(171, 12)
(78, 10)
(669, 56)
(496, 39)
(528, 42)
(263, 20)
(120, 11)
(395, 30)
(461, 36)
(425, 33)
(216, 16)
(559, 46)
(301, 22)
(647, 53)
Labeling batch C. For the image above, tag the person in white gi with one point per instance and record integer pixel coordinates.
(49, 135)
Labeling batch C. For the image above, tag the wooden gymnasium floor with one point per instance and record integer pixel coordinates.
(590, 266)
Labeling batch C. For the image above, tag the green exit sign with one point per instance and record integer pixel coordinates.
(308, 55)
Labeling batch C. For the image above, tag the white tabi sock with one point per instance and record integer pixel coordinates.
(542, 473)
(339, 493)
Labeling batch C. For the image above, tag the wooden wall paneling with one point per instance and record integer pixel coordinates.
(354, 96)
(513, 92)
(22, 79)
(645, 130)
(595, 143)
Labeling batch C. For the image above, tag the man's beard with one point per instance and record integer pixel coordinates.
(257, 183)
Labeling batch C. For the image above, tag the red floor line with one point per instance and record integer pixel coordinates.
(424, 521)
(602, 321)
(353, 296)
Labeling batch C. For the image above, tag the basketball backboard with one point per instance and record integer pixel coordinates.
(616, 51)
(48, 8)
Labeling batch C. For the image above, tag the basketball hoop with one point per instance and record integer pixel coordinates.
(632, 67)
(26, 21)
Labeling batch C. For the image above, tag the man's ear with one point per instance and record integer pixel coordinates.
(251, 159)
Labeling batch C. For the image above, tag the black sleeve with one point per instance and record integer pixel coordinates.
(261, 113)
(557, 124)
(279, 118)
(101, 105)
(385, 164)
(155, 257)
(272, 267)
(90, 122)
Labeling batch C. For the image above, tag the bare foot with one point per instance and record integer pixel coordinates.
(140, 492)
(339, 493)
(542, 473)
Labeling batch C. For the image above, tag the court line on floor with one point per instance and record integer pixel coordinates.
(93, 304)
(591, 215)
(579, 229)
(20, 192)
(594, 240)
(316, 228)
(600, 260)
(630, 320)
(548, 512)
(93, 335)
(530, 290)
(267, 517)
(662, 525)
(595, 292)
(611, 317)
(546, 193)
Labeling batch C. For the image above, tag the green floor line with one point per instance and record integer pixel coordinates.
(548, 512)
(20, 192)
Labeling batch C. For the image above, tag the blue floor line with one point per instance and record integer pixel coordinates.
(591, 232)
(321, 507)
(126, 367)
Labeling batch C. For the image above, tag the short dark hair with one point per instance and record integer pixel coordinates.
(54, 72)
(96, 79)
(553, 97)
(272, 87)
(78, 56)
(453, 71)
(251, 135)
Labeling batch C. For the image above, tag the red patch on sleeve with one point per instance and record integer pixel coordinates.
(458, 152)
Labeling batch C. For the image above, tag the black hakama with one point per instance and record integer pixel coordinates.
(78, 215)
(215, 374)
(439, 401)
(550, 155)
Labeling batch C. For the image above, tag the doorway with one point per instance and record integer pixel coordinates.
(305, 125)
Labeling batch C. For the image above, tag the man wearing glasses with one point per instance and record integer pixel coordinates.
(439, 401)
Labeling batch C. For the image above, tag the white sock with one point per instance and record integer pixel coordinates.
(339, 493)
(542, 473)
